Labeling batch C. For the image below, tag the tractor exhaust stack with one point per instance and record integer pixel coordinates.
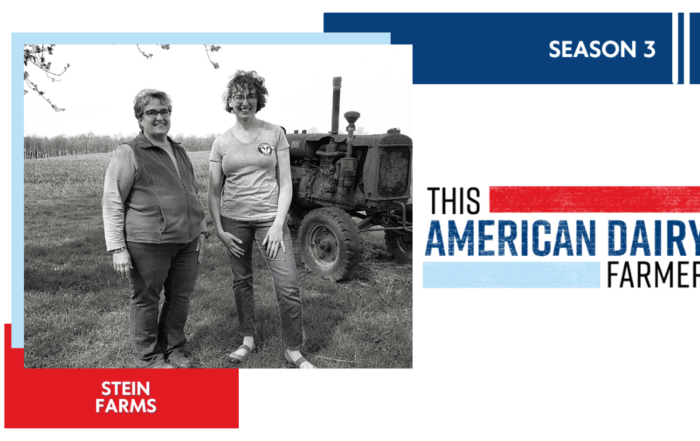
(336, 105)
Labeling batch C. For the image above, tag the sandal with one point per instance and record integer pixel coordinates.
(239, 359)
(298, 362)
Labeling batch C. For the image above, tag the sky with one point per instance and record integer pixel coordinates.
(98, 88)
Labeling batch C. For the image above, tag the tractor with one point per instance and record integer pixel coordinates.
(339, 176)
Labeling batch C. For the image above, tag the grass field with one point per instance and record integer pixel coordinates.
(77, 308)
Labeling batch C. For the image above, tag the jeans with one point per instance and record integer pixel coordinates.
(284, 276)
(174, 268)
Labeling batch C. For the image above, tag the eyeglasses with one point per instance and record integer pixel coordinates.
(165, 113)
(240, 98)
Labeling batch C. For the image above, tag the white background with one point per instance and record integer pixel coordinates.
(488, 364)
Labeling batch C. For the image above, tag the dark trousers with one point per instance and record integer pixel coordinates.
(284, 276)
(169, 267)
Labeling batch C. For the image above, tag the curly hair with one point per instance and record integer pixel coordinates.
(246, 80)
(145, 96)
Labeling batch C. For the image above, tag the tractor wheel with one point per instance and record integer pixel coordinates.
(400, 244)
(330, 243)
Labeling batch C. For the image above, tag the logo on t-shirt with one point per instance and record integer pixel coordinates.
(265, 149)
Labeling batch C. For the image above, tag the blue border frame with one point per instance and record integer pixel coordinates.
(17, 78)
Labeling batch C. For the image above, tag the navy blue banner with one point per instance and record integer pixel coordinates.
(538, 48)
(694, 44)
(681, 46)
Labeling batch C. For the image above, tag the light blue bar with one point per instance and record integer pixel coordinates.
(18, 42)
(511, 275)
(204, 38)
(17, 182)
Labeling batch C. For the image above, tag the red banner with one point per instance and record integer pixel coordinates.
(117, 398)
(594, 199)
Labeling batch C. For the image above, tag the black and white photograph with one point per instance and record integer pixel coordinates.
(218, 206)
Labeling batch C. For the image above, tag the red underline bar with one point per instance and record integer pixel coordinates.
(594, 199)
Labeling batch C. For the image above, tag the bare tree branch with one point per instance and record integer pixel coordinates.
(148, 56)
(36, 55)
(35, 88)
(212, 48)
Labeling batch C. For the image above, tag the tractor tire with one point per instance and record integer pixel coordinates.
(401, 244)
(330, 243)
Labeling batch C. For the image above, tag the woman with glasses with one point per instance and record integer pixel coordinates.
(250, 190)
(155, 231)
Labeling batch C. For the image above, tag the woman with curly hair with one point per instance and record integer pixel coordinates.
(250, 190)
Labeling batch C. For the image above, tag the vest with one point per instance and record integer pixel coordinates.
(162, 207)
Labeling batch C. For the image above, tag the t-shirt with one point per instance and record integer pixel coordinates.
(251, 190)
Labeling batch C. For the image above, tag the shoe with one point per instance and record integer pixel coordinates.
(298, 362)
(160, 364)
(179, 361)
(239, 359)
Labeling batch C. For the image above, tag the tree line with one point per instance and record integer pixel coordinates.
(63, 145)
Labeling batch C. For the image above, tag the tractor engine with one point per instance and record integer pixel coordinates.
(373, 175)
(366, 176)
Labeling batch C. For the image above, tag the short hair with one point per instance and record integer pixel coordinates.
(249, 80)
(145, 96)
